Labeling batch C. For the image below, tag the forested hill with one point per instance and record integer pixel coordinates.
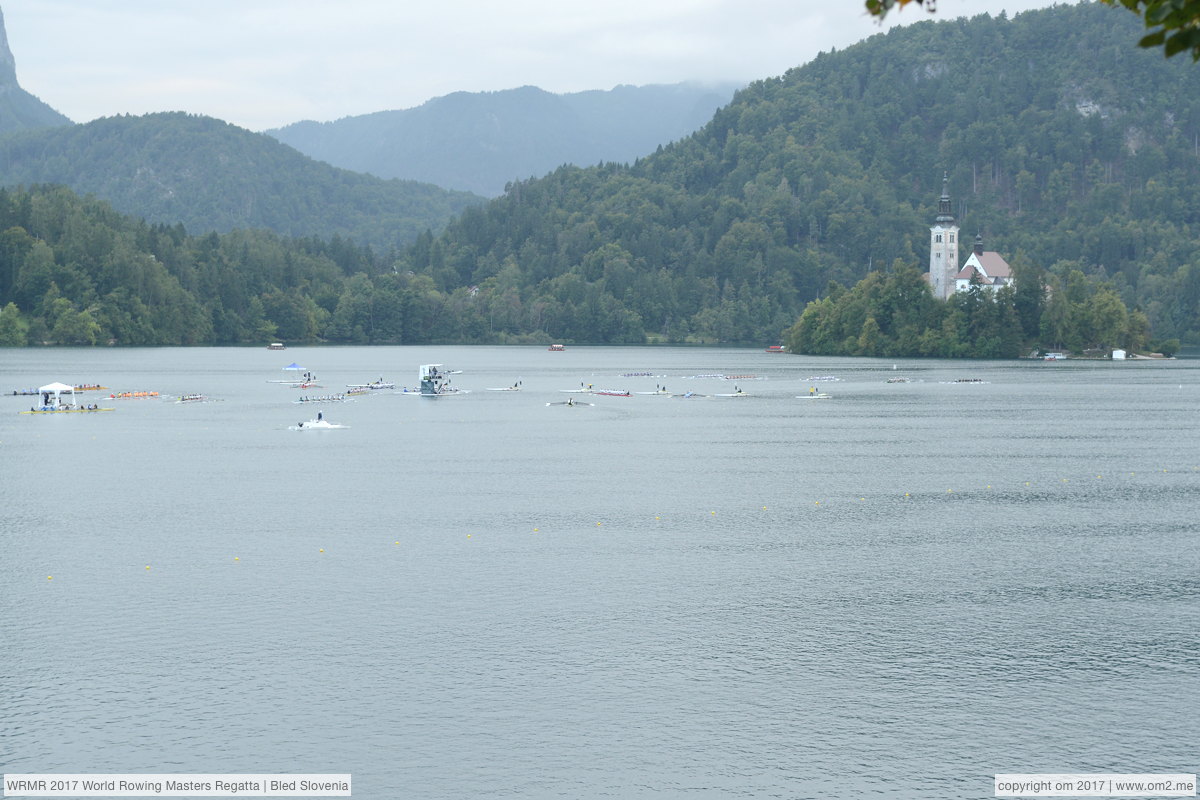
(1071, 151)
(480, 141)
(1067, 147)
(209, 175)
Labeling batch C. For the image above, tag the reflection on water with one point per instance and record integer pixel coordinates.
(904, 589)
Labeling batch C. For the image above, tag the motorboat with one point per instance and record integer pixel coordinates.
(318, 424)
(435, 382)
(556, 348)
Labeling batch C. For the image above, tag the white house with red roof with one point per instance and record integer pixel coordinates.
(986, 268)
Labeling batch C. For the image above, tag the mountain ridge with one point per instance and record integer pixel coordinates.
(481, 141)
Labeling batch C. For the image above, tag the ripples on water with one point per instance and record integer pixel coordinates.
(902, 591)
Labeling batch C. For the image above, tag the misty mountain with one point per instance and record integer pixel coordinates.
(212, 176)
(19, 110)
(481, 141)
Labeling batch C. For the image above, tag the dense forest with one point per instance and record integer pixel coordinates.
(1073, 153)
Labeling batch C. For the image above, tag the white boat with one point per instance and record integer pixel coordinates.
(611, 392)
(660, 392)
(435, 382)
(516, 387)
(570, 401)
(318, 424)
(814, 396)
(688, 395)
(379, 384)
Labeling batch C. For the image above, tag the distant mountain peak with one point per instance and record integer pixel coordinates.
(8, 64)
(19, 110)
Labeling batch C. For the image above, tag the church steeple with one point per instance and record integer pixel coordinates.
(943, 246)
(945, 212)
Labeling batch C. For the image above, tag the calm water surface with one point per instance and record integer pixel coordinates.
(898, 591)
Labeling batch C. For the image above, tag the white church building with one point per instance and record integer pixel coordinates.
(946, 276)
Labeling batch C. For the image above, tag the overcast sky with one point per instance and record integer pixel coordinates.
(267, 63)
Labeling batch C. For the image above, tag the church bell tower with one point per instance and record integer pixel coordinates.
(943, 247)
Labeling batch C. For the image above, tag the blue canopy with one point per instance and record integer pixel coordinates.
(293, 365)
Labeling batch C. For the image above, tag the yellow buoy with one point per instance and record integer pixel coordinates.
(322, 549)
(147, 566)
(235, 558)
(49, 577)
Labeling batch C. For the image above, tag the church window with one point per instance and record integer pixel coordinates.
(937, 237)
(952, 238)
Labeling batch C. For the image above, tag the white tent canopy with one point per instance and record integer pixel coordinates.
(56, 389)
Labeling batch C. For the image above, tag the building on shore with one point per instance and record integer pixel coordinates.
(946, 276)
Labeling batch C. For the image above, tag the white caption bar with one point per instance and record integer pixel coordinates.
(160, 785)
(1102, 784)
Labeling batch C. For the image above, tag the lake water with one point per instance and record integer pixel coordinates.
(901, 590)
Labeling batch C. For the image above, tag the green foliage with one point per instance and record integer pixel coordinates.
(1174, 24)
(13, 328)
(208, 175)
(978, 323)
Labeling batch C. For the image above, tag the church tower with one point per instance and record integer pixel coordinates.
(943, 247)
